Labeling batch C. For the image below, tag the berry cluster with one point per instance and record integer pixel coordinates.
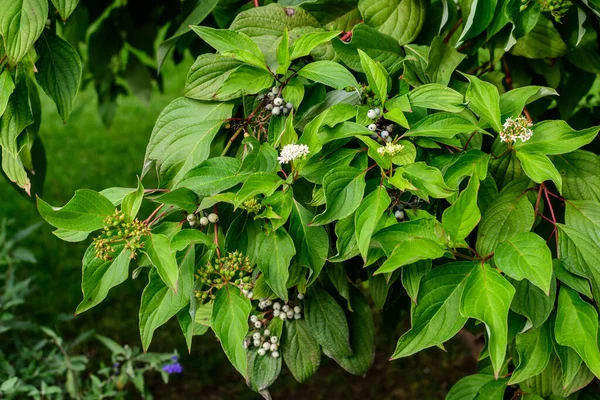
(399, 205)
(275, 103)
(116, 230)
(262, 339)
(233, 267)
(284, 312)
(202, 221)
(381, 128)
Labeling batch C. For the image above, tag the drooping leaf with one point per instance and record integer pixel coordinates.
(531, 302)
(301, 352)
(328, 73)
(232, 43)
(367, 216)
(535, 348)
(484, 99)
(275, 251)
(86, 211)
(462, 217)
(401, 19)
(162, 257)
(539, 168)
(21, 23)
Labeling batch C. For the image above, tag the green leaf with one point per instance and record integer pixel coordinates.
(526, 256)
(580, 172)
(311, 242)
(531, 302)
(233, 44)
(484, 100)
(442, 60)
(207, 75)
(401, 19)
(308, 41)
(362, 336)
(245, 80)
(7, 86)
(265, 183)
(535, 348)
(376, 76)
(13, 167)
(181, 197)
(543, 41)
(21, 23)
(162, 257)
(327, 322)
(283, 53)
(411, 277)
(442, 125)
(346, 240)
(557, 137)
(468, 387)
(99, 276)
(275, 252)
(510, 213)
(422, 180)
(328, 73)
(132, 202)
(300, 350)
(182, 239)
(437, 97)
(397, 115)
(577, 327)
(65, 7)
(514, 101)
(182, 136)
(539, 168)
(480, 15)
(59, 71)
(486, 297)
(462, 217)
(16, 118)
(570, 361)
(213, 176)
(86, 211)
(435, 318)
(344, 188)
(367, 216)
(262, 371)
(229, 321)
(575, 282)
(159, 304)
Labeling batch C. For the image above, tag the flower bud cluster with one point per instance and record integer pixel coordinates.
(369, 97)
(390, 149)
(275, 103)
(193, 219)
(116, 230)
(558, 8)
(233, 267)
(253, 205)
(516, 129)
(261, 338)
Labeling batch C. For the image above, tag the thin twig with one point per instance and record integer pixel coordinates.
(153, 213)
(454, 28)
(216, 231)
(256, 3)
(555, 232)
(235, 135)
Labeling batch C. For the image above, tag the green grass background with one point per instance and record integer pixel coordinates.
(85, 154)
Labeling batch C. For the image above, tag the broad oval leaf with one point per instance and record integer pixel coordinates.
(275, 252)
(367, 216)
(328, 73)
(301, 351)
(21, 23)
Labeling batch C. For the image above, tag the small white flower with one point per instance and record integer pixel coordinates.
(291, 152)
(516, 129)
(390, 149)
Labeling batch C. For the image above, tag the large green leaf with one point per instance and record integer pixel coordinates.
(484, 100)
(442, 125)
(258, 183)
(462, 217)
(534, 348)
(539, 168)
(17, 116)
(423, 180)
(514, 101)
(328, 73)
(577, 327)
(437, 97)
(229, 321)
(275, 252)
(436, 318)
(59, 71)
(311, 242)
(531, 302)
(511, 213)
(206, 76)
(401, 19)
(469, 386)
(232, 43)
(307, 42)
(557, 137)
(526, 256)
(327, 322)
(21, 23)
(160, 254)
(580, 172)
(65, 7)
(376, 76)
(159, 303)
(411, 276)
(543, 41)
(486, 297)
(182, 136)
(213, 176)
(99, 276)
(7, 86)
(367, 216)
(481, 13)
(344, 188)
(301, 352)
(86, 211)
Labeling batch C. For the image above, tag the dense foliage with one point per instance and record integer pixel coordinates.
(334, 156)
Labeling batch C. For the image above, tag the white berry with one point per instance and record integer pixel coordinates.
(297, 309)
(285, 308)
(268, 302)
(270, 95)
(285, 111)
(213, 218)
(203, 221)
(276, 111)
(276, 306)
(297, 316)
(267, 332)
(266, 345)
(258, 324)
(289, 106)
(385, 134)
(300, 296)
(253, 318)
(276, 313)
(269, 107)
(390, 128)
(256, 336)
(278, 101)
(274, 339)
(275, 354)
(283, 316)
(377, 111)
(273, 347)
(250, 295)
(399, 214)
(191, 217)
(290, 314)
(275, 89)
(261, 352)
(372, 127)
(256, 343)
(371, 114)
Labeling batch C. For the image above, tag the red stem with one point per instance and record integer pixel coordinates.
(555, 232)
(346, 37)
(216, 230)
(255, 5)
(153, 213)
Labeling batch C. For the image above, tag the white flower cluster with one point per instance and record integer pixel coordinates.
(514, 129)
(262, 340)
(390, 149)
(291, 152)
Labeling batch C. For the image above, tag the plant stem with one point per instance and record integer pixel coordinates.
(256, 3)
(454, 28)
(235, 135)
(555, 232)
(153, 214)
(216, 231)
